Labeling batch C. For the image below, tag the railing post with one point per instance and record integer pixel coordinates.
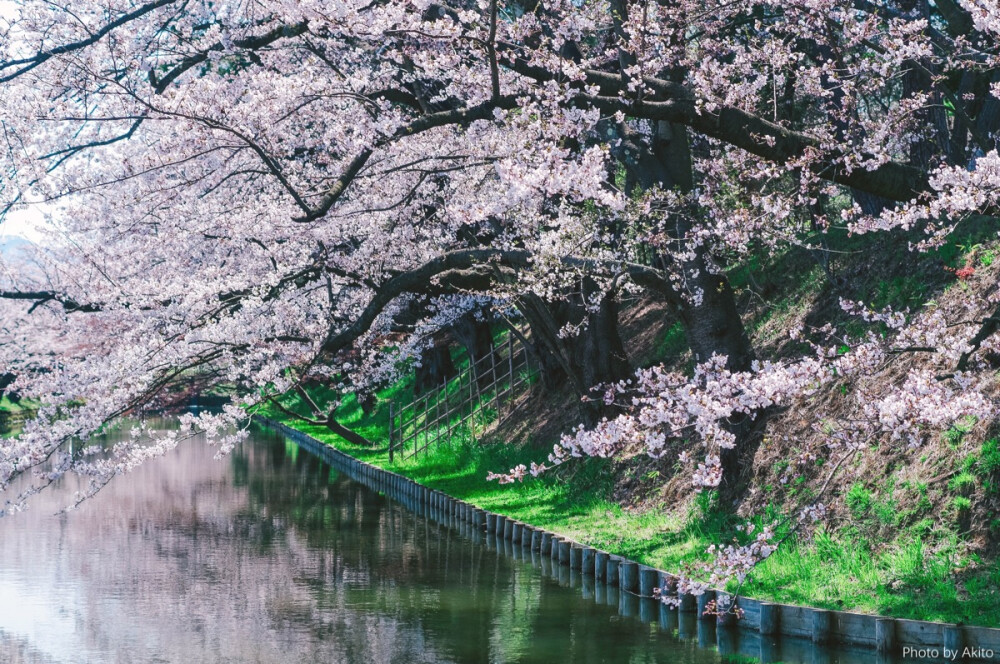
(447, 407)
(472, 400)
(391, 423)
(496, 382)
(510, 366)
(427, 414)
(437, 411)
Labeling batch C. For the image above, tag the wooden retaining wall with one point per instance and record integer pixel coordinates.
(635, 582)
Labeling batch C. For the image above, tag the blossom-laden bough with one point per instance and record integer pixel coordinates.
(261, 193)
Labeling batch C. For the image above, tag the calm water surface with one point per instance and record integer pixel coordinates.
(271, 556)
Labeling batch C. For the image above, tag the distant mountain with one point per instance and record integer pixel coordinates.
(11, 245)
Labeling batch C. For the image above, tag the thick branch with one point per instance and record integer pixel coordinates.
(674, 102)
(471, 269)
(249, 43)
(41, 297)
(989, 328)
(330, 422)
(25, 65)
(424, 123)
(347, 434)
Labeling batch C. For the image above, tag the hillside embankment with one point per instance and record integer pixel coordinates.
(911, 531)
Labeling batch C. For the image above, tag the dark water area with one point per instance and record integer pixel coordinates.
(269, 555)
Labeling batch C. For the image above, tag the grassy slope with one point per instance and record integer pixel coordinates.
(899, 546)
(910, 579)
(11, 407)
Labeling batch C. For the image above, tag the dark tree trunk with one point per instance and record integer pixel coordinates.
(592, 358)
(435, 367)
(347, 434)
(475, 334)
(6, 380)
(368, 401)
(714, 326)
(707, 309)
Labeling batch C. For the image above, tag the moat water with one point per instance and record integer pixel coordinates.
(270, 556)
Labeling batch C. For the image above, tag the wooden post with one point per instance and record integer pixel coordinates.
(564, 549)
(612, 570)
(770, 618)
(703, 600)
(821, 625)
(885, 635)
(648, 579)
(576, 557)
(391, 422)
(427, 414)
(952, 641)
(628, 575)
(601, 565)
(472, 400)
(447, 412)
(510, 365)
(496, 382)
(437, 421)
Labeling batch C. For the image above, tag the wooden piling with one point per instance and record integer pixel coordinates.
(885, 635)
(822, 622)
(612, 570)
(648, 579)
(564, 548)
(770, 618)
(600, 565)
(952, 639)
(628, 576)
(703, 601)
(576, 557)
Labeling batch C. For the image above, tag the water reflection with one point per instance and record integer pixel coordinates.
(271, 556)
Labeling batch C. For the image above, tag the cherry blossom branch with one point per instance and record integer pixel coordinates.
(248, 43)
(27, 64)
(422, 124)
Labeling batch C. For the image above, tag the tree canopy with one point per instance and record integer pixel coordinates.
(253, 192)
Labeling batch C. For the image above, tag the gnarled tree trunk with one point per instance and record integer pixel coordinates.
(707, 306)
(588, 359)
(436, 367)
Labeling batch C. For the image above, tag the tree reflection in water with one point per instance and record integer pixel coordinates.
(270, 556)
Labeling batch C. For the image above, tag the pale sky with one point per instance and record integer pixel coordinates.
(23, 223)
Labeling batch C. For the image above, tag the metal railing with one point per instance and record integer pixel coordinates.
(461, 404)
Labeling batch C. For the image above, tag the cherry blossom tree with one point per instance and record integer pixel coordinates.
(255, 192)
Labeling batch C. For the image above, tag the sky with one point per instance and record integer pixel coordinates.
(24, 224)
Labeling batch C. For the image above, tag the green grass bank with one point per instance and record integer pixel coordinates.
(871, 565)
